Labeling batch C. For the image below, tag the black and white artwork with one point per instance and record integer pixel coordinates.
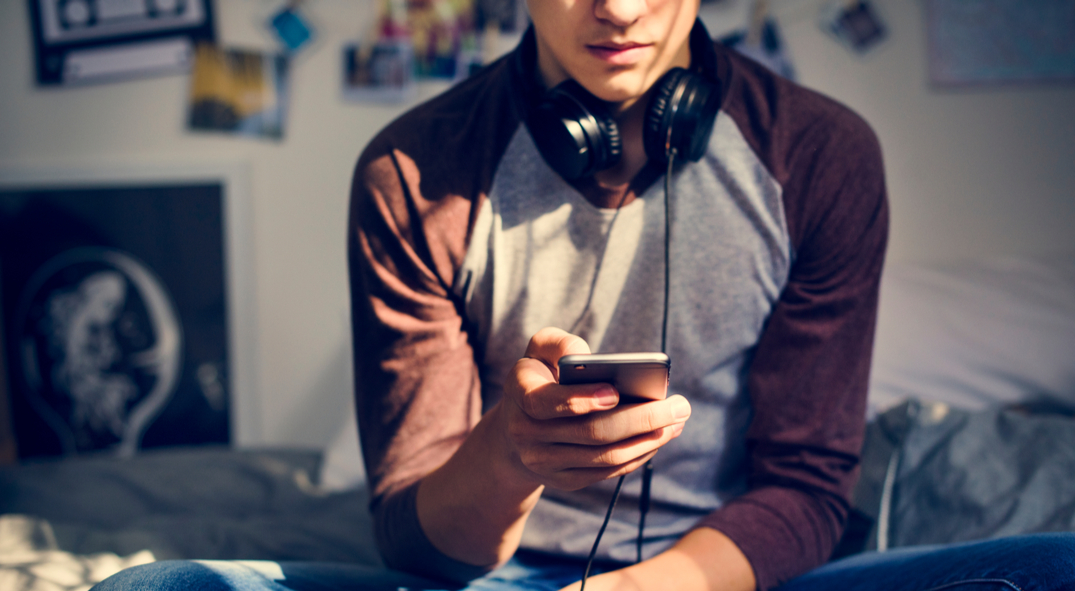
(114, 317)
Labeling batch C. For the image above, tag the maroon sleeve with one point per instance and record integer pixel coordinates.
(415, 194)
(809, 376)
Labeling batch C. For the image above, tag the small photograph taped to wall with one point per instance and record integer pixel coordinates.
(506, 16)
(380, 72)
(238, 92)
(856, 24)
(291, 27)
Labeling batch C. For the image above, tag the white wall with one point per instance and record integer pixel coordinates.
(986, 171)
(971, 172)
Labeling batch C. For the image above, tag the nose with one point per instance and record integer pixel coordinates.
(620, 13)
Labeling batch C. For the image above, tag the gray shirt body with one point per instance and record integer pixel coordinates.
(542, 255)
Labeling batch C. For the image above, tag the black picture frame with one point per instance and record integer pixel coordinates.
(147, 247)
(86, 41)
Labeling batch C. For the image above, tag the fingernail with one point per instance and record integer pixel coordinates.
(606, 396)
(681, 409)
(677, 429)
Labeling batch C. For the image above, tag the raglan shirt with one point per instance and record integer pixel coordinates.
(463, 243)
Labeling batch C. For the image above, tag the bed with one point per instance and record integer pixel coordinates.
(971, 435)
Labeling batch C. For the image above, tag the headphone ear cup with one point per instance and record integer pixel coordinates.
(658, 116)
(680, 115)
(575, 132)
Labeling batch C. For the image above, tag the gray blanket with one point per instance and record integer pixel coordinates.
(932, 474)
(209, 503)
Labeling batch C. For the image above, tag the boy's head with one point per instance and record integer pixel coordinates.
(616, 49)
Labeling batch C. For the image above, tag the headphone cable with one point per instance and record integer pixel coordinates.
(647, 470)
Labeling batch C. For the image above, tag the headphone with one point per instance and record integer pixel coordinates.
(577, 136)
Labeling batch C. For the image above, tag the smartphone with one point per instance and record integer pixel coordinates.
(639, 377)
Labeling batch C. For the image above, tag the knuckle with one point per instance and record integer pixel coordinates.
(608, 458)
(651, 421)
(593, 432)
(522, 431)
(533, 460)
(576, 406)
(528, 405)
(570, 342)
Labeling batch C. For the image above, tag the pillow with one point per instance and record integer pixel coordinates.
(977, 334)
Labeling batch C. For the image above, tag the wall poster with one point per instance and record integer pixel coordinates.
(115, 316)
(80, 41)
(1000, 41)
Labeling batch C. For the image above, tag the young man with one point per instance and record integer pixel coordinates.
(465, 244)
(475, 266)
(479, 258)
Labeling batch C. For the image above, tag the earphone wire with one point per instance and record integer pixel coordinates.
(601, 532)
(647, 471)
(600, 263)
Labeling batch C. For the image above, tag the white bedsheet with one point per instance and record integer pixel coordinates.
(30, 559)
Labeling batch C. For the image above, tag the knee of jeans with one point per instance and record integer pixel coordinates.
(169, 575)
(1054, 553)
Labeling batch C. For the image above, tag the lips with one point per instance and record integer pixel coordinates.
(618, 53)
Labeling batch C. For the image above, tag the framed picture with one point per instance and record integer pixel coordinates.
(127, 309)
(81, 41)
(1000, 42)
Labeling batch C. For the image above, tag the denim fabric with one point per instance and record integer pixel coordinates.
(1038, 562)
(525, 572)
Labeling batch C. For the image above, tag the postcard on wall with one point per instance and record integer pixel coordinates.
(856, 24)
(292, 28)
(1000, 41)
(83, 41)
(239, 92)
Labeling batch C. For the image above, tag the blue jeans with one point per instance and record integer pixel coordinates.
(1039, 562)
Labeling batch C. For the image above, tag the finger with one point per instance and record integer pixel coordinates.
(539, 396)
(576, 478)
(550, 344)
(612, 455)
(557, 460)
(620, 423)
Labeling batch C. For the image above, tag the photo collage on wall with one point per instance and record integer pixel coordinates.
(414, 40)
(242, 92)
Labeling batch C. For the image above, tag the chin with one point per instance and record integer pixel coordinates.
(617, 88)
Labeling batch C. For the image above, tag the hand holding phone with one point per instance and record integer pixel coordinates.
(638, 377)
(561, 420)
